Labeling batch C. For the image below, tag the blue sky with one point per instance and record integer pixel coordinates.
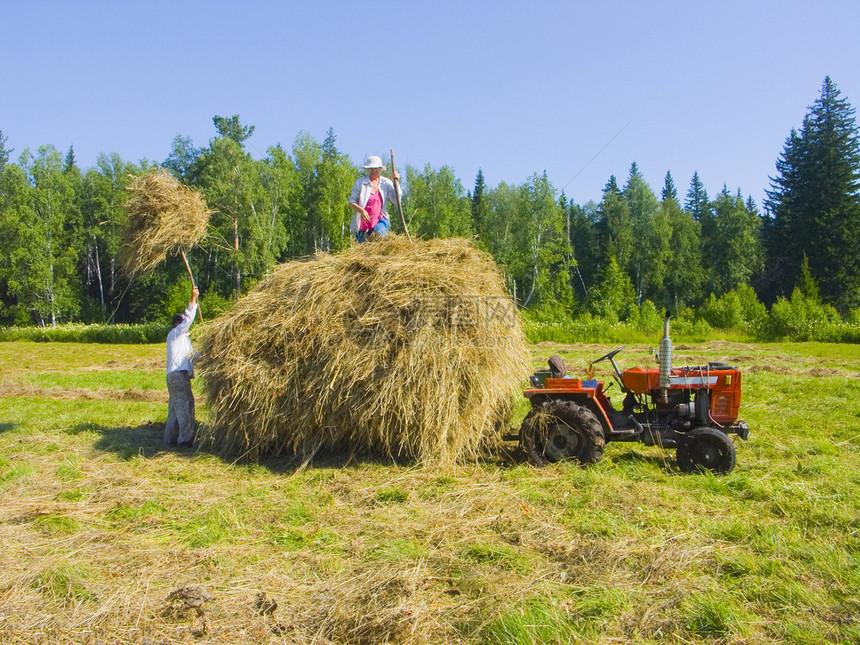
(514, 88)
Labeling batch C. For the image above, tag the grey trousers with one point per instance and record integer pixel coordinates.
(180, 409)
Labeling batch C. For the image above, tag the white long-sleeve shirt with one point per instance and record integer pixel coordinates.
(179, 349)
(361, 193)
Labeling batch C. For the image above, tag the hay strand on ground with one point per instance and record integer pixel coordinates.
(394, 348)
(164, 217)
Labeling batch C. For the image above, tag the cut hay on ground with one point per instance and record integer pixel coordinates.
(8, 390)
(163, 217)
(394, 348)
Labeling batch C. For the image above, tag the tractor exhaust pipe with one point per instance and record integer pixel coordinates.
(665, 360)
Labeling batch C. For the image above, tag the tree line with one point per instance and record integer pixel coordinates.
(61, 228)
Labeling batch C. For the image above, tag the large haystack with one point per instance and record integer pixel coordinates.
(164, 217)
(392, 347)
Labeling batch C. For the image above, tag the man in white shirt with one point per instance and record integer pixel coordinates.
(179, 429)
(369, 199)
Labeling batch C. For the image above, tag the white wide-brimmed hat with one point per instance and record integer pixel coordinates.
(374, 162)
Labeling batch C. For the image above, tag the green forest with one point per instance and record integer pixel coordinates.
(789, 268)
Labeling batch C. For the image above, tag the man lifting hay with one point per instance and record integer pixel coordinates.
(179, 429)
(166, 217)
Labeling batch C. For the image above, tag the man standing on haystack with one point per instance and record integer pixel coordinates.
(179, 429)
(369, 199)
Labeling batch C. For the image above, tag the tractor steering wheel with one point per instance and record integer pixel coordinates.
(608, 356)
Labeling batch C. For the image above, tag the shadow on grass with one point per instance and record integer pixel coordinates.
(7, 426)
(288, 464)
(512, 454)
(147, 441)
(665, 462)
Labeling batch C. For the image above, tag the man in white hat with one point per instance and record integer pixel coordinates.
(369, 199)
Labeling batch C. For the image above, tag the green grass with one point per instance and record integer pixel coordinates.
(101, 521)
(65, 584)
(533, 621)
(118, 380)
(82, 333)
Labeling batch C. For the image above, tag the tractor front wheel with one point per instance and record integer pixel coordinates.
(558, 430)
(706, 449)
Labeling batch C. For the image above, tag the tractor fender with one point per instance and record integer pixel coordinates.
(586, 398)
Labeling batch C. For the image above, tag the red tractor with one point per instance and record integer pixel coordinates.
(691, 409)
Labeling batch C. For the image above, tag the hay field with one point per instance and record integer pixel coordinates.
(100, 523)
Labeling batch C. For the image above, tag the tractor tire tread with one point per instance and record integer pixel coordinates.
(578, 417)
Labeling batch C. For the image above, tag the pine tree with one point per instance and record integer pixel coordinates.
(697, 199)
(611, 186)
(668, 191)
(70, 163)
(479, 204)
(815, 203)
(614, 228)
(807, 284)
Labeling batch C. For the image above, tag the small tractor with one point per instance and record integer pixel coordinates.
(691, 409)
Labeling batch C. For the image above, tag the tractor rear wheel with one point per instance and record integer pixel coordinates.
(706, 449)
(558, 430)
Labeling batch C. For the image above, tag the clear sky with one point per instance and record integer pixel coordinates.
(515, 88)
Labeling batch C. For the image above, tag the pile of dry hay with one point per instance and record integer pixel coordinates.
(163, 217)
(393, 348)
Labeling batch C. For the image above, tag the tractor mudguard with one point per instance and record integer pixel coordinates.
(589, 394)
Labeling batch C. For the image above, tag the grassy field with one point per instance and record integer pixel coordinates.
(100, 522)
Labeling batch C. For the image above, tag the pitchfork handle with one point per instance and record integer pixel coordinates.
(397, 194)
(193, 286)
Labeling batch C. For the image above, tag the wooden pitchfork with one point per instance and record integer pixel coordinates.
(399, 204)
(193, 286)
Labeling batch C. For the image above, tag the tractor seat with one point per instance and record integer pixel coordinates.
(556, 366)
